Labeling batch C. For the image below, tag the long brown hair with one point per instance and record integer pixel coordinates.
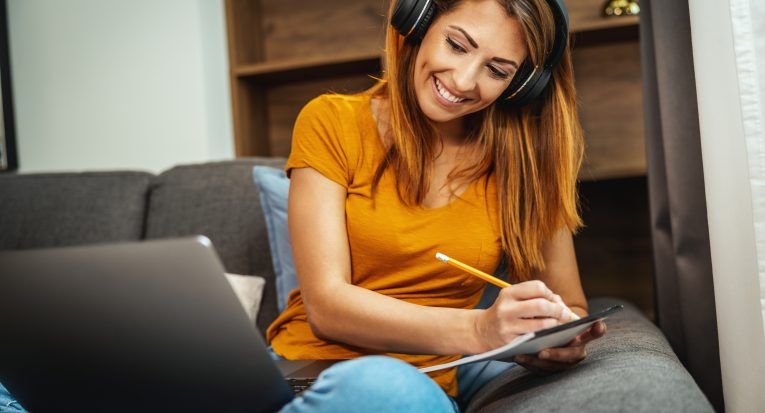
(534, 151)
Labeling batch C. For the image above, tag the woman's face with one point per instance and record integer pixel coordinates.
(466, 60)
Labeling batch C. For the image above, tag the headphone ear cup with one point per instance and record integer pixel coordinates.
(401, 19)
(519, 78)
(531, 90)
(418, 32)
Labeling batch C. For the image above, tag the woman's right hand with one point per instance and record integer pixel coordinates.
(520, 309)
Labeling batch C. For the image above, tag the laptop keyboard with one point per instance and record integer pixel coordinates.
(299, 385)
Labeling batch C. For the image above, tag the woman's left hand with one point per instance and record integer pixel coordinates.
(562, 358)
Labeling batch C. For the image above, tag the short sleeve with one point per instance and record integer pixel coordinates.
(320, 141)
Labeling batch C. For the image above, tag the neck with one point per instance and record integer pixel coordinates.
(451, 133)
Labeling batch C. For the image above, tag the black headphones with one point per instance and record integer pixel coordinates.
(411, 18)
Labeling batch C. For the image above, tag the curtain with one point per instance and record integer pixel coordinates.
(729, 56)
(748, 26)
(685, 300)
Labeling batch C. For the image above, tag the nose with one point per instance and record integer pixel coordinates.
(465, 77)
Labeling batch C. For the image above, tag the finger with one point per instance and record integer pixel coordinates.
(516, 327)
(597, 330)
(568, 355)
(528, 290)
(539, 307)
(569, 314)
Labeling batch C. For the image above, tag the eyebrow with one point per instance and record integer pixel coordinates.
(474, 44)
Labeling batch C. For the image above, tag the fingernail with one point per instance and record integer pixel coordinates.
(544, 355)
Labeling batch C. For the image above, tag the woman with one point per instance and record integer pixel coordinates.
(440, 156)
(435, 159)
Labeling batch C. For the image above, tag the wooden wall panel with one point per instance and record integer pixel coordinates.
(614, 248)
(244, 32)
(610, 93)
(285, 102)
(336, 27)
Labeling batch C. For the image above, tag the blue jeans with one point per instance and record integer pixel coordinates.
(7, 403)
(358, 383)
(372, 384)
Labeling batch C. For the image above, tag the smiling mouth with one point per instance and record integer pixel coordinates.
(445, 93)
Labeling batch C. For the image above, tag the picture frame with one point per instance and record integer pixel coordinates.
(8, 158)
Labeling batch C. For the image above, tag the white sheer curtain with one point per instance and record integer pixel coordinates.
(729, 60)
(748, 22)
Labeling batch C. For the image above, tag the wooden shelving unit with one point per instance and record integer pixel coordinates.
(282, 56)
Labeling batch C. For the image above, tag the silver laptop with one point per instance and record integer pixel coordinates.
(141, 326)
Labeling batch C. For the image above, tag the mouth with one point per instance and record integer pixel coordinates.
(446, 97)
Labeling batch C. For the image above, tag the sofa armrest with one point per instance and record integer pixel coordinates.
(632, 368)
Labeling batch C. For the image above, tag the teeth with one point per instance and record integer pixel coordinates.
(445, 93)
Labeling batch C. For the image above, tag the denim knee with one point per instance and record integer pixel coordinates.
(7, 402)
(373, 384)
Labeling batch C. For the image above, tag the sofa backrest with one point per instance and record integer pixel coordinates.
(63, 209)
(221, 201)
(215, 199)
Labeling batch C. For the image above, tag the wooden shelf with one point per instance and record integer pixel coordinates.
(369, 61)
(604, 23)
(315, 67)
(281, 57)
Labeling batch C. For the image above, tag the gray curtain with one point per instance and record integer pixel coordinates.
(684, 290)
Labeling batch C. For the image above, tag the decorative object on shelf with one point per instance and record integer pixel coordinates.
(615, 8)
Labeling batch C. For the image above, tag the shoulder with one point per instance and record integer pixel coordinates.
(334, 106)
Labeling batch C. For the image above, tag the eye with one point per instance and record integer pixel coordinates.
(455, 46)
(498, 74)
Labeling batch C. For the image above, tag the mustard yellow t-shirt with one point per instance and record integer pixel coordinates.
(392, 246)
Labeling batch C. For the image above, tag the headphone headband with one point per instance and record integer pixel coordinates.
(411, 18)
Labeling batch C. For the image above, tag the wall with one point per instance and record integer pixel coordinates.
(730, 74)
(111, 84)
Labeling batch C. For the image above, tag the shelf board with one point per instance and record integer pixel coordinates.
(604, 23)
(369, 61)
(595, 174)
(311, 68)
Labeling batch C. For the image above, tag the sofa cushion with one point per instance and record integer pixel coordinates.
(274, 187)
(249, 290)
(63, 209)
(218, 200)
(631, 369)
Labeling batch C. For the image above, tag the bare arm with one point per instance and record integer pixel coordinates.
(341, 311)
(561, 273)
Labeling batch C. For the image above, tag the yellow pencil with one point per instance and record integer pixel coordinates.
(468, 269)
(486, 277)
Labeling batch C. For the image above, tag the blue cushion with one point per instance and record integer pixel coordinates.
(274, 188)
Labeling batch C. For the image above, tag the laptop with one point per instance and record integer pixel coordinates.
(139, 326)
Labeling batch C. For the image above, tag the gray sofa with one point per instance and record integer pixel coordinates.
(631, 369)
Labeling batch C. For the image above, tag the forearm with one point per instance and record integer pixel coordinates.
(364, 318)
